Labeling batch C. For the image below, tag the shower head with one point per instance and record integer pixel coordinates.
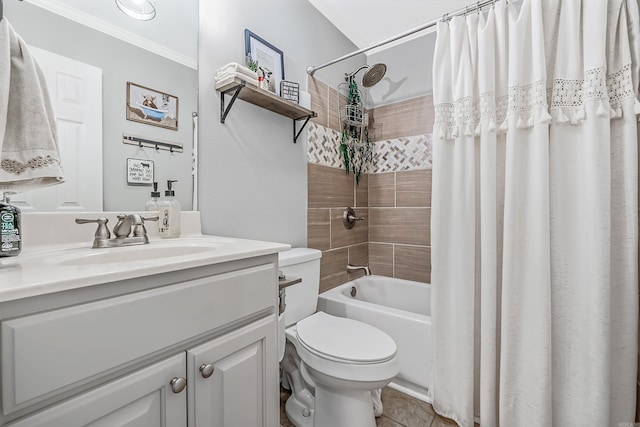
(373, 75)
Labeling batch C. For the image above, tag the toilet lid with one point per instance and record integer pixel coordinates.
(343, 339)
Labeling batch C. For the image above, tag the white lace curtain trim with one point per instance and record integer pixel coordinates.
(529, 104)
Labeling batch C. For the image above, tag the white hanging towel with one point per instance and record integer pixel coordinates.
(29, 155)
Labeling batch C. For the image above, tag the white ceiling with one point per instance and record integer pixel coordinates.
(368, 22)
(173, 33)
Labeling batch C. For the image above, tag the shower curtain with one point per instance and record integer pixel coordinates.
(535, 214)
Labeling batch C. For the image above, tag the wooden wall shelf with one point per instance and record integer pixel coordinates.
(265, 99)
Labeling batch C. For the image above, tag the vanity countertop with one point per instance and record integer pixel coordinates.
(46, 267)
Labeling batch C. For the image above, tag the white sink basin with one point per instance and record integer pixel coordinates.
(154, 251)
(106, 256)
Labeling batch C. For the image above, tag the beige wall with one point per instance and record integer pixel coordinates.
(411, 117)
(395, 237)
(324, 101)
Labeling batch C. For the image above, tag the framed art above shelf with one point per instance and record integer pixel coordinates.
(238, 88)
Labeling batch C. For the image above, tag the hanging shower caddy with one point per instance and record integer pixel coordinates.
(355, 147)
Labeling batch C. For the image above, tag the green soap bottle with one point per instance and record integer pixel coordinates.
(10, 235)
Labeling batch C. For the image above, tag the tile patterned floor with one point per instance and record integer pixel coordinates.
(400, 410)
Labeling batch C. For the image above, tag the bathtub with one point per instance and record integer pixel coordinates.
(402, 309)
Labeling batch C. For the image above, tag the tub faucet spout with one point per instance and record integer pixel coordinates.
(365, 267)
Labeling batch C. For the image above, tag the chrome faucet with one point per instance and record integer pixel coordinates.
(127, 222)
(365, 267)
(129, 230)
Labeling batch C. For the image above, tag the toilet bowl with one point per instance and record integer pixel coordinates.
(331, 364)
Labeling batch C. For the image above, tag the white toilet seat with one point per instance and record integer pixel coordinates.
(344, 340)
(339, 359)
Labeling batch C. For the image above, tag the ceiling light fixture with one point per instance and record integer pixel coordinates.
(143, 10)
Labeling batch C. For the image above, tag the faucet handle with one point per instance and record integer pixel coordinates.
(349, 218)
(102, 232)
(139, 230)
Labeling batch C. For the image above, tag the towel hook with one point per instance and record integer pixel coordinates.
(171, 149)
(157, 148)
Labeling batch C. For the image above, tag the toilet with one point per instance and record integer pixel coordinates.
(331, 364)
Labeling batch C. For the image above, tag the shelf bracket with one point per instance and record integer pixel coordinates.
(225, 110)
(306, 119)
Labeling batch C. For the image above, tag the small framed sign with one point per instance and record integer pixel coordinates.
(139, 172)
(290, 91)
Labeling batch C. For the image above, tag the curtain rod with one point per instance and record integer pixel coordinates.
(462, 11)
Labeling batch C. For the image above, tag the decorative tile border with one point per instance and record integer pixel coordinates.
(323, 146)
(403, 154)
(398, 154)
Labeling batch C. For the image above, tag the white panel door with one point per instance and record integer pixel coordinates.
(76, 95)
(243, 388)
(144, 398)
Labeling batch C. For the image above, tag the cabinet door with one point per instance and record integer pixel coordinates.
(242, 390)
(142, 399)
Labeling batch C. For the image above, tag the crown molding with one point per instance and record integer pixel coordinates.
(105, 27)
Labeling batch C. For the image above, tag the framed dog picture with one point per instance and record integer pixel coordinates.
(152, 107)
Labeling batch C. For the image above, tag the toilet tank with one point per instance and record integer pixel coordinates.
(302, 298)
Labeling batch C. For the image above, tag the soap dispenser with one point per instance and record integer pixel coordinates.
(169, 213)
(10, 233)
(152, 203)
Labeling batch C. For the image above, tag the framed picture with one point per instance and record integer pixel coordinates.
(152, 107)
(270, 59)
(139, 172)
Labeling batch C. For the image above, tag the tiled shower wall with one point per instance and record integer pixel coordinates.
(399, 229)
(394, 197)
(330, 190)
(400, 190)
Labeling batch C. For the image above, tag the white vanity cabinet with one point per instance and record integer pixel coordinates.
(195, 347)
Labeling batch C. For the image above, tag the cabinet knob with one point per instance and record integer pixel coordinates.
(178, 384)
(206, 370)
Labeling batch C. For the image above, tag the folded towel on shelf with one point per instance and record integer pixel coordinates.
(29, 155)
(234, 67)
(224, 76)
(221, 79)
